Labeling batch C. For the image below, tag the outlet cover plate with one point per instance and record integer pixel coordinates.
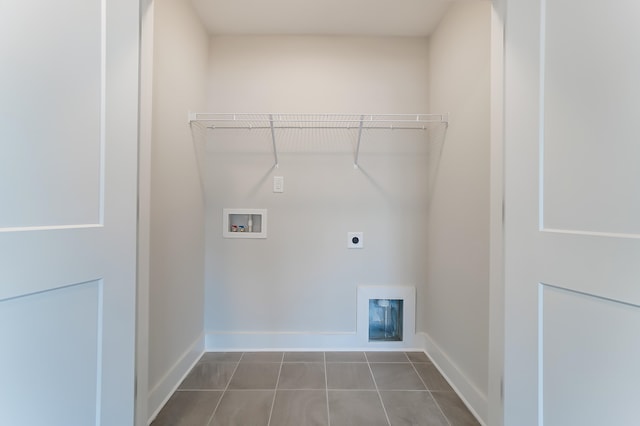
(278, 184)
(355, 240)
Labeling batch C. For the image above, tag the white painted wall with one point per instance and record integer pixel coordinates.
(318, 74)
(302, 279)
(454, 306)
(176, 268)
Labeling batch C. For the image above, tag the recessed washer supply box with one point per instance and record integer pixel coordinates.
(244, 223)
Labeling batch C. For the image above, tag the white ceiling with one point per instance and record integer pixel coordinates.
(322, 17)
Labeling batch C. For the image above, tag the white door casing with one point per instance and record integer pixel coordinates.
(68, 187)
(572, 216)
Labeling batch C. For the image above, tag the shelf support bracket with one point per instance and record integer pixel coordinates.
(355, 162)
(273, 140)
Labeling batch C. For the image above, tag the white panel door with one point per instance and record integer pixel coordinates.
(572, 216)
(68, 185)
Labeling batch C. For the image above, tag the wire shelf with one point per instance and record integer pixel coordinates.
(341, 121)
(275, 121)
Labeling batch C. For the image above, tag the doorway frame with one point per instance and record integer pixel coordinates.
(495, 397)
(144, 214)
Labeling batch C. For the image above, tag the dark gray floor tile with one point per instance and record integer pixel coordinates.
(432, 377)
(262, 357)
(417, 357)
(349, 375)
(396, 377)
(454, 409)
(412, 408)
(209, 375)
(302, 375)
(345, 357)
(304, 357)
(301, 399)
(243, 408)
(387, 357)
(221, 357)
(188, 408)
(255, 376)
(300, 408)
(356, 408)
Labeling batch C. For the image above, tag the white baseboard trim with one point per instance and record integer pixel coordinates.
(297, 341)
(162, 391)
(473, 398)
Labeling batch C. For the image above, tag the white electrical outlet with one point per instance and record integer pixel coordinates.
(355, 240)
(278, 184)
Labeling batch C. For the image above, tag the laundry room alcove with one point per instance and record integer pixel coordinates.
(382, 134)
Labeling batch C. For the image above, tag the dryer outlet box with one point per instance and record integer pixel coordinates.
(355, 240)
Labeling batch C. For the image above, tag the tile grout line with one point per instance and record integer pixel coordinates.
(438, 405)
(326, 387)
(384, 409)
(224, 391)
(429, 390)
(275, 391)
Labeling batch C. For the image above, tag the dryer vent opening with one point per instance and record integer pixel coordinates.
(385, 320)
(386, 316)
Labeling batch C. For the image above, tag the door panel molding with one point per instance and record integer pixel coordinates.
(51, 228)
(53, 91)
(589, 233)
(33, 262)
(588, 370)
(60, 358)
(587, 182)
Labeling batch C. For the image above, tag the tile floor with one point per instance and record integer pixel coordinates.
(314, 388)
